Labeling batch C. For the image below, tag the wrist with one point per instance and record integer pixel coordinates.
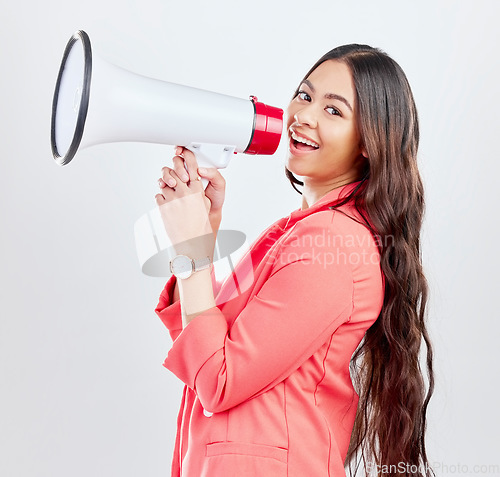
(196, 295)
(198, 247)
(215, 219)
(183, 266)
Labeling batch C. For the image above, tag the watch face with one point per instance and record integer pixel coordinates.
(181, 266)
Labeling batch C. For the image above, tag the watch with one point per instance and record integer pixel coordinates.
(183, 267)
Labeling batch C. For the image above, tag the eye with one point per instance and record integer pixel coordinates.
(333, 111)
(304, 96)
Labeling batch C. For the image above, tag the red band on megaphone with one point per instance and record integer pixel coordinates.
(268, 126)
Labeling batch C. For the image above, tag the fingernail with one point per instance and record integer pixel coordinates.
(202, 170)
(171, 182)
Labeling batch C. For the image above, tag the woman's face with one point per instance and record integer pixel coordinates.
(324, 142)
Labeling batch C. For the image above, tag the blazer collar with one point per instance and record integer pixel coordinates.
(327, 200)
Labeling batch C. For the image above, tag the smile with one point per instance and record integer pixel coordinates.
(303, 140)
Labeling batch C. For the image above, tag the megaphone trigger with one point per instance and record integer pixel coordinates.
(211, 155)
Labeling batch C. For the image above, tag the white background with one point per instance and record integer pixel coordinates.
(83, 390)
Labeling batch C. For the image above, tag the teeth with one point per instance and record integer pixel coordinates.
(304, 141)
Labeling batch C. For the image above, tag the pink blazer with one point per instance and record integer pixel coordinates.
(268, 391)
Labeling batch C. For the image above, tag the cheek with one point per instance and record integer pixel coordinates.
(341, 145)
(349, 140)
(355, 142)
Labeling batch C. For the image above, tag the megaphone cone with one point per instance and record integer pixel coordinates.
(96, 102)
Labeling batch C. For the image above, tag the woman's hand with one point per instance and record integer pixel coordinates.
(191, 215)
(215, 190)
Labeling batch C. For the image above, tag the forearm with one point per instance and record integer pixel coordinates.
(176, 291)
(196, 292)
(196, 295)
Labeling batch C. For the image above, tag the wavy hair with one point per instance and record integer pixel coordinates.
(389, 429)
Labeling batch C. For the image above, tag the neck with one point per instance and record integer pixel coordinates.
(314, 191)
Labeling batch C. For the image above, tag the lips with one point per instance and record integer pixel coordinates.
(301, 144)
(303, 139)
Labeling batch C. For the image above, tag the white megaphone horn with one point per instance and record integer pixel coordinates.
(96, 102)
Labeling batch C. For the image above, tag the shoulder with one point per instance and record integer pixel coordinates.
(348, 222)
(340, 228)
(336, 239)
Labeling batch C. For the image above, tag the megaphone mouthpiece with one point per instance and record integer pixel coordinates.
(267, 128)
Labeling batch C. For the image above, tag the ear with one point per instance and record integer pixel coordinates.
(362, 149)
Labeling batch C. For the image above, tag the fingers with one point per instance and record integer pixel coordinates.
(180, 170)
(215, 190)
(187, 180)
(185, 168)
(190, 160)
(170, 179)
(160, 199)
(167, 178)
(166, 184)
(172, 186)
(185, 164)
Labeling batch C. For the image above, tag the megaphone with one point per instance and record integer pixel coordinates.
(96, 102)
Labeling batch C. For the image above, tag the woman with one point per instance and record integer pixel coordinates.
(267, 356)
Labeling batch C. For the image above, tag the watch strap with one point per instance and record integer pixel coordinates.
(202, 264)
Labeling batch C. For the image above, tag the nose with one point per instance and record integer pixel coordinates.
(306, 117)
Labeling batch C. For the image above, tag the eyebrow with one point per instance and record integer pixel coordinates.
(329, 95)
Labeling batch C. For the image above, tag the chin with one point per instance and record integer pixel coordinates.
(296, 171)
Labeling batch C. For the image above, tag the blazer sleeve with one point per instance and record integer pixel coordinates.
(169, 310)
(301, 304)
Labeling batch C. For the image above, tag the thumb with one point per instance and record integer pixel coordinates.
(214, 177)
(216, 187)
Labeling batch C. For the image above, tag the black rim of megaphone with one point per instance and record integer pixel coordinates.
(84, 102)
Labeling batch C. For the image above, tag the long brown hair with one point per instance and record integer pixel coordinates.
(389, 430)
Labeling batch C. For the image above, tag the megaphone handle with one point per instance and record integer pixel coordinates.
(211, 155)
